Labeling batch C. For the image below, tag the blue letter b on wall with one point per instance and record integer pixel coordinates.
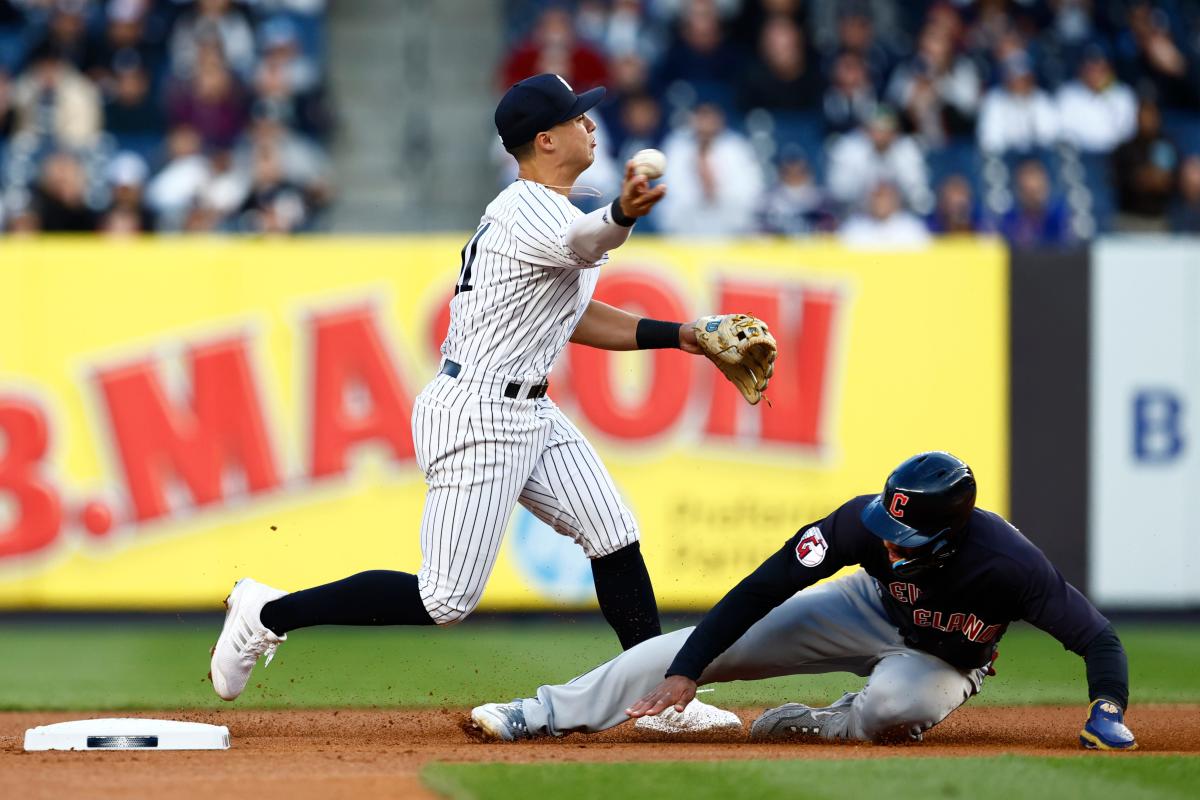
(1157, 426)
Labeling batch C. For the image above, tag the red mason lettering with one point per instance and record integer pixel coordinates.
(660, 405)
(358, 397)
(802, 321)
(194, 440)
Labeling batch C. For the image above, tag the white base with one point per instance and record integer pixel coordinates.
(127, 734)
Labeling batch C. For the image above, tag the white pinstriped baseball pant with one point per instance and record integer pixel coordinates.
(483, 453)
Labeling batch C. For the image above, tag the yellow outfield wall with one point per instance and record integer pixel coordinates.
(177, 413)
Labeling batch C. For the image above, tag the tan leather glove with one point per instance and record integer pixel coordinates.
(743, 349)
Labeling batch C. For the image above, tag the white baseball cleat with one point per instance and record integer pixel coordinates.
(504, 721)
(243, 638)
(697, 717)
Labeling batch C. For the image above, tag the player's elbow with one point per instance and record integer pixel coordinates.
(579, 247)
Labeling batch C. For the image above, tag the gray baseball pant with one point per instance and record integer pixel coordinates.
(838, 626)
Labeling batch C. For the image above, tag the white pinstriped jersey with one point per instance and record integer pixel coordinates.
(521, 290)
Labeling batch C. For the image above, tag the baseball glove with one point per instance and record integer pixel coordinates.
(743, 349)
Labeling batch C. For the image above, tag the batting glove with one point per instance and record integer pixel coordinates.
(1105, 728)
(990, 669)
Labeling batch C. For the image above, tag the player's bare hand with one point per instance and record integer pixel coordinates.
(675, 691)
(688, 342)
(637, 196)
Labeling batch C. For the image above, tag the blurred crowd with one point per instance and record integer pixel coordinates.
(1045, 121)
(128, 116)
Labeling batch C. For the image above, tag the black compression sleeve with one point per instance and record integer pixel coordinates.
(746, 604)
(1107, 668)
(626, 596)
(655, 334)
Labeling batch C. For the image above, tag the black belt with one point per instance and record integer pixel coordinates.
(512, 391)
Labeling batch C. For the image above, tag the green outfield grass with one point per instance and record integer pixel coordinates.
(141, 665)
(1001, 778)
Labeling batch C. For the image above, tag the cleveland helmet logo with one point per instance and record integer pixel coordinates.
(899, 501)
(563, 81)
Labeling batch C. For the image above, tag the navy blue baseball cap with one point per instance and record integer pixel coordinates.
(538, 104)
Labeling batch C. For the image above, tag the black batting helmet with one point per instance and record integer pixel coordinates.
(926, 502)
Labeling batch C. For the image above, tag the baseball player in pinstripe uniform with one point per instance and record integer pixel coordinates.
(487, 436)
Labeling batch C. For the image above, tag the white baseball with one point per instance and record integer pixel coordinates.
(651, 163)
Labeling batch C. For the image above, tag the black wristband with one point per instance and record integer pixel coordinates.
(619, 216)
(654, 334)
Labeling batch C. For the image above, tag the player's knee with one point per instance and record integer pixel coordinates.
(620, 545)
(629, 539)
(884, 714)
(613, 539)
(448, 610)
(452, 613)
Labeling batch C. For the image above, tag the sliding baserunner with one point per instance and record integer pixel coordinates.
(940, 581)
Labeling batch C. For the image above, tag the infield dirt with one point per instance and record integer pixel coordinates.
(380, 753)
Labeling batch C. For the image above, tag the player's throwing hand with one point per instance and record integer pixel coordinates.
(637, 196)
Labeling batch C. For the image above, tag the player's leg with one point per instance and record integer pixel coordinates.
(474, 458)
(597, 700)
(476, 453)
(473, 487)
(259, 618)
(907, 694)
(828, 628)
(374, 597)
(835, 626)
(382, 597)
(908, 691)
(571, 491)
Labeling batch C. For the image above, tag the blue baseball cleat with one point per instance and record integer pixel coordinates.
(1105, 728)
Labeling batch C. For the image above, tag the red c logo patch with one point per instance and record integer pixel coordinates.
(899, 501)
(811, 548)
